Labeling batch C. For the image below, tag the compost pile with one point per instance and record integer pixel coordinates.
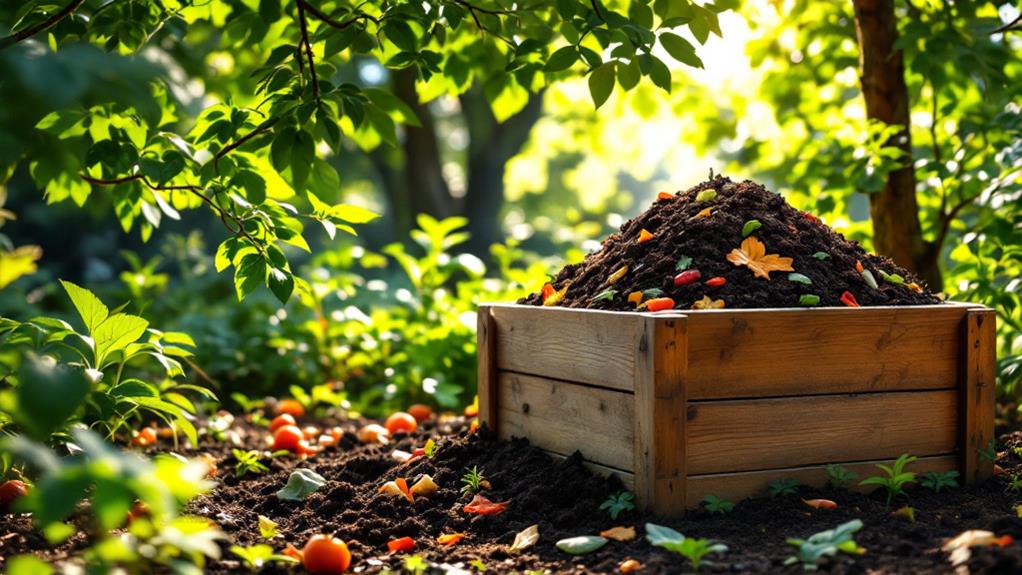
(723, 244)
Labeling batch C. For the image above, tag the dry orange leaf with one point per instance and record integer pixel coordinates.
(753, 256)
(820, 503)
(450, 539)
(619, 533)
(645, 235)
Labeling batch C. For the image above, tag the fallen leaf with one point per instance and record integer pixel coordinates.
(300, 484)
(645, 235)
(424, 486)
(704, 213)
(799, 278)
(629, 565)
(753, 256)
(620, 273)
(820, 503)
(683, 263)
(267, 527)
(619, 533)
(525, 538)
(707, 303)
(480, 505)
(450, 539)
(581, 545)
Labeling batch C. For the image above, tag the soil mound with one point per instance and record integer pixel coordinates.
(733, 245)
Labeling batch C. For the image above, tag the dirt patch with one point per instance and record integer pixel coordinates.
(682, 229)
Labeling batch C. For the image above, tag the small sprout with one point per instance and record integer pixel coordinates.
(714, 504)
(248, 462)
(839, 477)
(785, 486)
(809, 300)
(267, 527)
(1014, 484)
(690, 548)
(256, 557)
(706, 196)
(618, 502)
(821, 256)
(989, 452)
(750, 226)
(605, 295)
(683, 263)
(430, 449)
(799, 278)
(472, 481)
(936, 480)
(617, 275)
(895, 477)
(825, 544)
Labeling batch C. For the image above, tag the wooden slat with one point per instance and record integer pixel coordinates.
(737, 486)
(627, 478)
(487, 366)
(745, 435)
(771, 353)
(660, 415)
(594, 347)
(566, 417)
(978, 384)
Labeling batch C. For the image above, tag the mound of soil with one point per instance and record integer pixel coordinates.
(705, 231)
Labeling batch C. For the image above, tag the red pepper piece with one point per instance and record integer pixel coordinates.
(687, 277)
(849, 300)
(717, 281)
(402, 545)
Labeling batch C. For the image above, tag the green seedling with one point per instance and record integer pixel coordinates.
(472, 481)
(895, 477)
(1014, 484)
(690, 548)
(936, 480)
(839, 477)
(618, 502)
(785, 486)
(248, 462)
(714, 504)
(825, 544)
(255, 557)
(989, 452)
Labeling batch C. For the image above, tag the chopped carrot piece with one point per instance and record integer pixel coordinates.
(660, 304)
(858, 266)
(645, 235)
(664, 196)
(548, 290)
(402, 545)
(820, 503)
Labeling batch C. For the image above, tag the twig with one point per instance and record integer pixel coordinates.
(303, 24)
(33, 30)
(334, 23)
(261, 128)
(472, 9)
(1013, 25)
(596, 8)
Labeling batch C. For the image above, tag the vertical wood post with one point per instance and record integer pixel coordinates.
(978, 380)
(486, 340)
(660, 413)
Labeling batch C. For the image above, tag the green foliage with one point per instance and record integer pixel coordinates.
(813, 550)
(938, 480)
(692, 549)
(618, 502)
(718, 506)
(472, 481)
(248, 462)
(255, 557)
(839, 476)
(895, 477)
(300, 484)
(785, 486)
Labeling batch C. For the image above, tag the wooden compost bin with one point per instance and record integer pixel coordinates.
(684, 404)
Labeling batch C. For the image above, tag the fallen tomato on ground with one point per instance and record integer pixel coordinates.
(325, 555)
(289, 437)
(400, 422)
(290, 407)
(11, 491)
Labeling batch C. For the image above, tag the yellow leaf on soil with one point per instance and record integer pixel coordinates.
(704, 213)
(556, 297)
(619, 533)
(707, 303)
(617, 275)
(753, 256)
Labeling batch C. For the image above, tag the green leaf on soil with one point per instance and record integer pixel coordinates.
(750, 226)
(605, 295)
(525, 538)
(582, 544)
(809, 299)
(301, 484)
(661, 536)
(821, 256)
(892, 278)
(683, 263)
(706, 196)
(799, 278)
(267, 527)
(652, 293)
(871, 281)
(430, 448)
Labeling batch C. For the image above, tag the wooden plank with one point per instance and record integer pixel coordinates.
(594, 347)
(978, 380)
(487, 366)
(565, 417)
(737, 486)
(772, 353)
(660, 414)
(627, 478)
(745, 435)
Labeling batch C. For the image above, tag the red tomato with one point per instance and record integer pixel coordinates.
(420, 412)
(288, 437)
(290, 407)
(400, 421)
(282, 420)
(10, 491)
(325, 555)
(402, 545)
(146, 436)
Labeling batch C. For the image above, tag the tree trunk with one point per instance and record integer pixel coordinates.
(897, 232)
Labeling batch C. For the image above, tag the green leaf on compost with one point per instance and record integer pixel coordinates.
(683, 263)
(809, 299)
(661, 536)
(582, 544)
(871, 281)
(652, 293)
(750, 226)
(267, 527)
(301, 484)
(821, 256)
(799, 278)
(706, 196)
(892, 278)
(605, 295)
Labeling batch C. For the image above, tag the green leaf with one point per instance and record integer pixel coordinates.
(116, 333)
(799, 278)
(601, 83)
(628, 75)
(90, 308)
(401, 34)
(750, 226)
(821, 256)
(352, 214)
(302, 154)
(680, 49)
(281, 283)
(562, 59)
(249, 274)
(582, 544)
(268, 527)
(48, 394)
(809, 300)
(706, 196)
(27, 565)
(660, 74)
(301, 484)
(683, 263)
(605, 295)
(659, 535)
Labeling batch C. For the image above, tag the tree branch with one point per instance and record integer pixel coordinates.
(322, 16)
(261, 128)
(1013, 25)
(304, 25)
(33, 30)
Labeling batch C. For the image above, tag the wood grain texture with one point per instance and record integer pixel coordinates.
(594, 347)
(564, 417)
(745, 435)
(736, 486)
(627, 477)
(752, 353)
(978, 380)
(487, 368)
(660, 414)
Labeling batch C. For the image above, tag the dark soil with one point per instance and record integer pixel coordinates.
(679, 232)
(563, 498)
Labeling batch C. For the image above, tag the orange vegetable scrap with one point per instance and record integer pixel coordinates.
(292, 552)
(660, 304)
(398, 487)
(548, 290)
(858, 266)
(645, 235)
(144, 438)
(704, 213)
(619, 533)
(450, 539)
(481, 505)
(717, 281)
(556, 297)
(753, 256)
(820, 503)
(629, 566)
(474, 426)
(402, 545)
(915, 287)
(664, 196)
(635, 297)
(617, 275)
(810, 217)
(707, 303)
(849, 300)
(473, 409)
